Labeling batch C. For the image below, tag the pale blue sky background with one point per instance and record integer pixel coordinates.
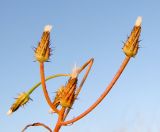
(82, 29)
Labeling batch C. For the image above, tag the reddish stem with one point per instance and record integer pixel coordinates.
(37, 124)
(60, 119)
(45, 89)
(89, 63)
(119, 72)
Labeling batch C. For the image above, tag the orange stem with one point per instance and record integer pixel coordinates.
(119, 72)
(90, 63)
(45, 89)
(60, 119)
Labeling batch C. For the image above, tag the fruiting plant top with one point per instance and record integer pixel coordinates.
(67, 94)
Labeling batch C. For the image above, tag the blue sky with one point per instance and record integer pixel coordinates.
(81, 30)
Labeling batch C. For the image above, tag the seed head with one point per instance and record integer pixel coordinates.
(21, 100)
(58, 96)
(131, 46)
(42, 52)
(68, 95)
(65, 95)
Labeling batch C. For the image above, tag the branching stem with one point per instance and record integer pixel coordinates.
(90, 63)
(48, 78)
(119, 72)
(60, 119)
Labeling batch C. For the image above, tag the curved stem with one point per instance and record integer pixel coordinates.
(119, 72)
(45, 89)
(37, 124)
(48, 78)
(90, 63)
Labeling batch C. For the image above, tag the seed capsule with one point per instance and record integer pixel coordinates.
(21, 100)
(131, 46)
(42, 52)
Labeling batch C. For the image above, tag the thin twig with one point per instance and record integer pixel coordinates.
(119, 72)
(37, 124)
(48, 78)
(90, 63)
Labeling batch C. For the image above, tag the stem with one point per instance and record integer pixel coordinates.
(90, 63)
(103, 95)
(60, 119)
(48, 78)
(45, 89)
(37, 124)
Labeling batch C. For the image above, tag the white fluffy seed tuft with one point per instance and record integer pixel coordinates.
(75, 71)
(138, 21)
(9, 112)
(48, 28)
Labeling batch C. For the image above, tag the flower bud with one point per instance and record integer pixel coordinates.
(58, 96)
(131, 46)
(68, 95)
(21, 100)
(65, 95)
(42, 52)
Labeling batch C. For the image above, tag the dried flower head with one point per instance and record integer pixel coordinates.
(65, 95)
(131, 46)
(68, 94)
(42, 52)
(21, 100)
(58, 96)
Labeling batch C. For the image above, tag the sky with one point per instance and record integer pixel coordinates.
(82, 29)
